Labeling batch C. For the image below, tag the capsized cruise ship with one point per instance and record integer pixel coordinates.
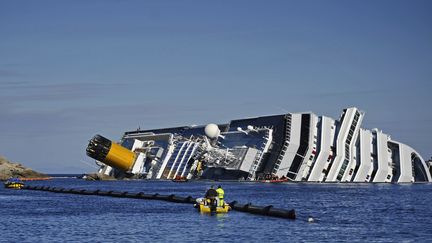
(294, 146)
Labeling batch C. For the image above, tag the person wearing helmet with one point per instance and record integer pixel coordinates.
(211, 197)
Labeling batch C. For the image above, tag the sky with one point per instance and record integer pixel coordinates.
(73, 69)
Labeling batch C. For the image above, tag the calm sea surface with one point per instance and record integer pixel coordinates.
(343, 212)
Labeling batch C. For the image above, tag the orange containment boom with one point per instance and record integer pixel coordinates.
(35, 178)
(110, 153)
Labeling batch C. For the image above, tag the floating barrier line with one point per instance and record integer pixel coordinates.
(247, 208)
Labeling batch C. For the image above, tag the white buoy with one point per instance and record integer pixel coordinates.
(212, 130)
(311, 220)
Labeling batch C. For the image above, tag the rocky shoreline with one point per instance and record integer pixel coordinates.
(9, 169)
(97, 177)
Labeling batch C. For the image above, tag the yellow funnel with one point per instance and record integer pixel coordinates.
(111, 153)
(120, 158)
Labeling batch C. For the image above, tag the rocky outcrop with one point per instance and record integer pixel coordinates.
(97, 177)
(9, 169)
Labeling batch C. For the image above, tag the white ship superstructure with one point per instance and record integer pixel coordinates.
(325, 149)
(295, 146)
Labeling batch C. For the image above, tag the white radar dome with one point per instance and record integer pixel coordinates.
(212, 130)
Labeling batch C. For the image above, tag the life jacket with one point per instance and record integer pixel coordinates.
(221, 193)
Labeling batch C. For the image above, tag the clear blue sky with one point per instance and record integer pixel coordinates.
(71, 69)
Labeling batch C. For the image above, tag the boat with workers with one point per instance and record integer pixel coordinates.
(213, 201)
(14, 183)
(204, 207)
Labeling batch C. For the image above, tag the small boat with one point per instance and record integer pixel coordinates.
(275, 181)
(180, 179)
(206, 208)
(14, 183)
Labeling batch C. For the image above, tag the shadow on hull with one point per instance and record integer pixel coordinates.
(218, 173)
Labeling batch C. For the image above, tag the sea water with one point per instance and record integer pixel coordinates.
(341, 212)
